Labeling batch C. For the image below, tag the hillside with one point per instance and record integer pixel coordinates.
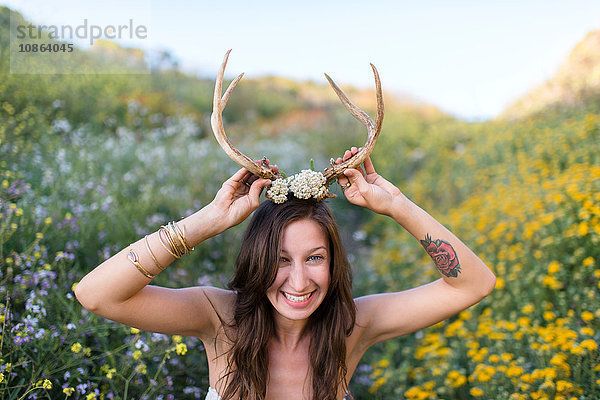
(576, 82)
(268, 105)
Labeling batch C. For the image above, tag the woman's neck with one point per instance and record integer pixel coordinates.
(290, 334)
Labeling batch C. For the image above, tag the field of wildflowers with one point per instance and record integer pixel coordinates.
(531, 212)
(89, 164)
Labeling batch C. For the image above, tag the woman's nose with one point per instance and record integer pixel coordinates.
(298, 278)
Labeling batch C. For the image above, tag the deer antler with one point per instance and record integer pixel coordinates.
(216, 121)
(373, 129)
(263, 171)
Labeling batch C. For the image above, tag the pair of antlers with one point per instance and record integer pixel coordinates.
(263, 171)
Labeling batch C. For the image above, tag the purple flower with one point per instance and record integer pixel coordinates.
(18, 188)
(81, 388)
(22, 333)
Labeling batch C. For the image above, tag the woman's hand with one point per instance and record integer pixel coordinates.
(239, 196)
(367, 188)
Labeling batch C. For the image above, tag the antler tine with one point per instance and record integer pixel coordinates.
(373, 129)
(216, 122)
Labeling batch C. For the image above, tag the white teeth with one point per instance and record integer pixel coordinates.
(296, 299)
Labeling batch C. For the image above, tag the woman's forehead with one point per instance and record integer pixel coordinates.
(304, 234)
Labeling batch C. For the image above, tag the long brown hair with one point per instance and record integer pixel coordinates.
(253, 321)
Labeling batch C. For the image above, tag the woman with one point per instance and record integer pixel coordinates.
(288, 327)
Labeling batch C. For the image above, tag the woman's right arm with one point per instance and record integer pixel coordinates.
(117, 290)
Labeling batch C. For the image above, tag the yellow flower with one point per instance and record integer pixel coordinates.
(74, 286)
(476, 392)
(68, 391)
(48, 221)
(137, 354)
(177, 338)
(558, 359)
(47, 384)
(514, 371)
(379, 382)
(76, 348)
(500, 284)
(134, 331)
(587, 316)
(587, 331)
(111, 372)
(553, 267)
(494, 358)
(583, 228)
(1, 376)
(141, 368)
(588, 262)
(19, 212)
(563, 386)
(465, 315)
(548, 315)
(90, 396)
(528, 309)
(181, 349)
(87, 351)
(382, 364)
(551, 282)
(589, 345)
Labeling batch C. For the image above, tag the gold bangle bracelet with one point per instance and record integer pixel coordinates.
(174, 235)
(160, 267)
(133, 257)
(181, 232)
(179, 235)
(172, 241)
(162, 242)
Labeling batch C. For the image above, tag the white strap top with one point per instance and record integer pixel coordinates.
(212, 394)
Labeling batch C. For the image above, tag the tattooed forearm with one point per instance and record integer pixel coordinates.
(443, 256)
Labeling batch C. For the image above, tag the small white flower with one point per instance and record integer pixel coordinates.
(303, 185)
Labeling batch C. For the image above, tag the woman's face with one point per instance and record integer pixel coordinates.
(303, 276)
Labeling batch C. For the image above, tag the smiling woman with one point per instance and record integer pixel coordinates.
(287, 327)
(293, 286)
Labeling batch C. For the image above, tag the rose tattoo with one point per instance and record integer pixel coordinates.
(443, 256)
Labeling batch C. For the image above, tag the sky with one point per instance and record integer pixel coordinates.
(469, 58)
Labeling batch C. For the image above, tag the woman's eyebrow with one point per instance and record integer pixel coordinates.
(309, 251)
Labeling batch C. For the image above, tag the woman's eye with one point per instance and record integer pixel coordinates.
(283, 260)
(315, 258)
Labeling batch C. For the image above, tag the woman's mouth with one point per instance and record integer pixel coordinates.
(297, 301)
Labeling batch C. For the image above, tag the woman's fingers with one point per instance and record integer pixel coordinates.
(369, 168)
(347, 154)
(239, 175)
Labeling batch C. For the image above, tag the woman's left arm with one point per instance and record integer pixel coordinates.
(465, 278)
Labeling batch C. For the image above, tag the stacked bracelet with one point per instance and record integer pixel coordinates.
(173, 240)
